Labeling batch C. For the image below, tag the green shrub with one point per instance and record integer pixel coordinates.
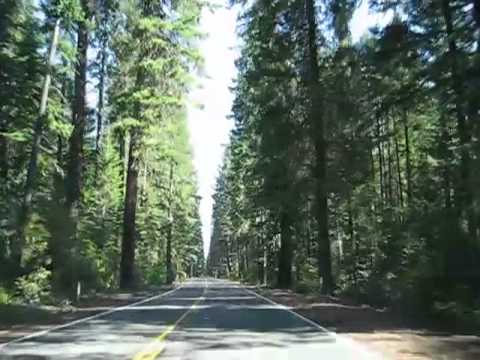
(181, 276)
(156, 276)
(5, 296)
(303, 288)
(34, 287)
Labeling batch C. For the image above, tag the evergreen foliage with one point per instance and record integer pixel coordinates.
(386, 129)
(64, 155)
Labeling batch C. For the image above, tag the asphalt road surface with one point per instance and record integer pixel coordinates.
(203, 319)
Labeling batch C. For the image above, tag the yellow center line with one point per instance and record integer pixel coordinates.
(157, 346)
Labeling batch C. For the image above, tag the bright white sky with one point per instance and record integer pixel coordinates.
(209, 126)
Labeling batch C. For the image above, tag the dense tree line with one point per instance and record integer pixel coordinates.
(97, 184)
(354, 167)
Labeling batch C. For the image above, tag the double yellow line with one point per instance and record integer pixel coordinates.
(157, 346)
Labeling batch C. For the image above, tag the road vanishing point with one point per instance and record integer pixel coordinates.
(203, 319)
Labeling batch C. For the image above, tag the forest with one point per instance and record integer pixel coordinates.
(97, 187)
(354, 167)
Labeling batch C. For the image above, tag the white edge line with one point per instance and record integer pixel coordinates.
(85, 319)
(340, 339)
(283, 307)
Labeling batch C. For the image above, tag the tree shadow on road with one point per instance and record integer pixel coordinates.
(398, 336)
(216, 323)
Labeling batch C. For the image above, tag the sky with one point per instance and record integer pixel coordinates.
(209, 125)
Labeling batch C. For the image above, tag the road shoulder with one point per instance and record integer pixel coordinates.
(378, 330)
(18, 320)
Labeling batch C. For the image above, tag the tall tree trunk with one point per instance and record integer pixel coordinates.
(4, 166)
(317, 121)
(73, 181)
(351, 236)
(265, 265)
(323, 247)
(476, 12)
(389, 164)
(445, 154)
(10, 11)
(245, 260)
(68, 278)
(465, 205)
(32, 169)
(474, 117)
(124, 147)
(380, 159)
(286, 252)
(127, 262)
(339, 240)
(238, 263)
(309, 236)
(227, 257)
(101, 96)
(169, 267)
(372, 161)
(408, 162)
(399, 172)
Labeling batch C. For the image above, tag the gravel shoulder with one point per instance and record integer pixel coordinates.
(378, 329)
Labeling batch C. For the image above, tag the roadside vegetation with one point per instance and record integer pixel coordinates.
(354, 167)
(97, 186)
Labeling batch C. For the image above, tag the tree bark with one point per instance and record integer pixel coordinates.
(445, 153)
(473, 112)
(127, 262)
(465, 204)
(4, 166)
(372, 161)
(408, 162)
(73, 180)
(101, 96)
(285, 253)
(399, 172)
(265, 265)
(10, 10)
(170, 274)
(389, 165)
(317, 122)
(169, 267)
(474, 115)
(351, 235)
(124, 148)
(476, 12)
(238, 253)
(227, 257)
(32, 167)
(246, 265)
(380, 160)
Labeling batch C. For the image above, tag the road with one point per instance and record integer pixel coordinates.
(203, 319)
